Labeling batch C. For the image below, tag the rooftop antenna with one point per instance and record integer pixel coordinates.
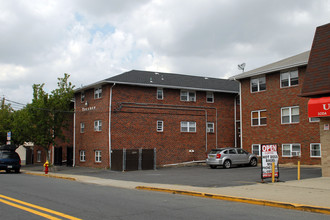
(241, 66)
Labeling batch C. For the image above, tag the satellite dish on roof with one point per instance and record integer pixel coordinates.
(241, 66)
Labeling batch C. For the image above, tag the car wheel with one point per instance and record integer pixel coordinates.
(213, 166)
(227, 164)
(253, 162)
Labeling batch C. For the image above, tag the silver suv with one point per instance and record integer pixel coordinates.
(227, 157)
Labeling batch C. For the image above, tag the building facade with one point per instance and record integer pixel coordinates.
(180, 116)
(273, 113)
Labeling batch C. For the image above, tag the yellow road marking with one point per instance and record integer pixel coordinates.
(36, 207)
(29, 210)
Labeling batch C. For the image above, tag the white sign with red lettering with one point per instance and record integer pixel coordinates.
(268, 157)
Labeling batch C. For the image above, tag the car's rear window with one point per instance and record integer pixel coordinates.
(9, 155)
(214, 151)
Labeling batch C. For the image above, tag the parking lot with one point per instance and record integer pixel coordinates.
(198, 175)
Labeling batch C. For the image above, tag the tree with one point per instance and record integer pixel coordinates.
(6, 115)
(46, 117)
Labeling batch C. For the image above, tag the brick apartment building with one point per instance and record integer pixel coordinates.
(316, 88)
(182, 116)
(272, 111)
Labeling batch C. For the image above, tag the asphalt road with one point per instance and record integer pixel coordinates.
(88, 201)
(201, 176)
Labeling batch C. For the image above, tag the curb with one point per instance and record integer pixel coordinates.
(51, 176)
(300, 207)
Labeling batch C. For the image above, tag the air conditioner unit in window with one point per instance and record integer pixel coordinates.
(295, 153)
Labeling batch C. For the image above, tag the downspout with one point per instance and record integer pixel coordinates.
(110, 105)
(235, 121)
(240, 113)
(74, 134)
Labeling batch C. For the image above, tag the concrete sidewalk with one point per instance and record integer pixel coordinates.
(307, 195)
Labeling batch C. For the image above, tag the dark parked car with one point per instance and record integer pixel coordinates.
(9, 159)
(227, 157)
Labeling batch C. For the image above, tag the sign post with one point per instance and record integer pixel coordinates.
(268, 157)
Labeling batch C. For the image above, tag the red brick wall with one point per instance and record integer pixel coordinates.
(273, 99)
(135, 127)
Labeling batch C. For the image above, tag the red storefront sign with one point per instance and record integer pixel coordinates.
(319, 107)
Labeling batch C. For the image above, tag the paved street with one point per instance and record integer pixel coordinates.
(89, 201)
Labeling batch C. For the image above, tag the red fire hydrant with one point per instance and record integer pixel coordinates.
(46, 165)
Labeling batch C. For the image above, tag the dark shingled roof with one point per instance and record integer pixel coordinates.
(171, 80)
(317, 78)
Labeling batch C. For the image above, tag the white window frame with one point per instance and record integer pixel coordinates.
(259, 117)
(98, 156)
(292, 153)
(290, 77)
(311, 150)
(160, 126)
(82, 96)
(290, 115)
(98, 93)
(38, 155)
(98, 125)
(82, 127)
(258, 81)
(82, 156)
(188, 126)
(313, 120)
(259, 149)
(209, 97)
(210, 127)
(188, 96)
(160, 94)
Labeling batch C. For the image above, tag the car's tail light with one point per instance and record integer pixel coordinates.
(20, 161)
(218, 156)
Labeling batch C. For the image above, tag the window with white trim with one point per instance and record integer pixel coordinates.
(82, 97)
(289, 78)
(256, 149)
(98, 93)
(98, 156)
(258, 84)
(82, 127)
(259, 118)
(314, 119)
(315, 150)
(188, 126)
(98, 125)
(189, 96)
(160, 94)
(160, 126)
(210, 127)
(39, 156)
(209, 97)
(290, 150)
(290, 115)
(82, 156)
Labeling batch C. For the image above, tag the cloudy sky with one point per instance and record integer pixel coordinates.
(95, 39)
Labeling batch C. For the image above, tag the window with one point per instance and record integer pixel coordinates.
(210, 127)
(290, 115)
(258, 118)
(314, 119)
(160, 94)
(82, 97)
(289, 78)
(98, 93)
(258, 84)
(188, 126)
(209, 97)
(188, 96)
(289, 150)
(160, 126)
(98, 125)
(256, 149)
(82, 127)
(39, 156)
(82, 155)
(315, 150)
(98, 158)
